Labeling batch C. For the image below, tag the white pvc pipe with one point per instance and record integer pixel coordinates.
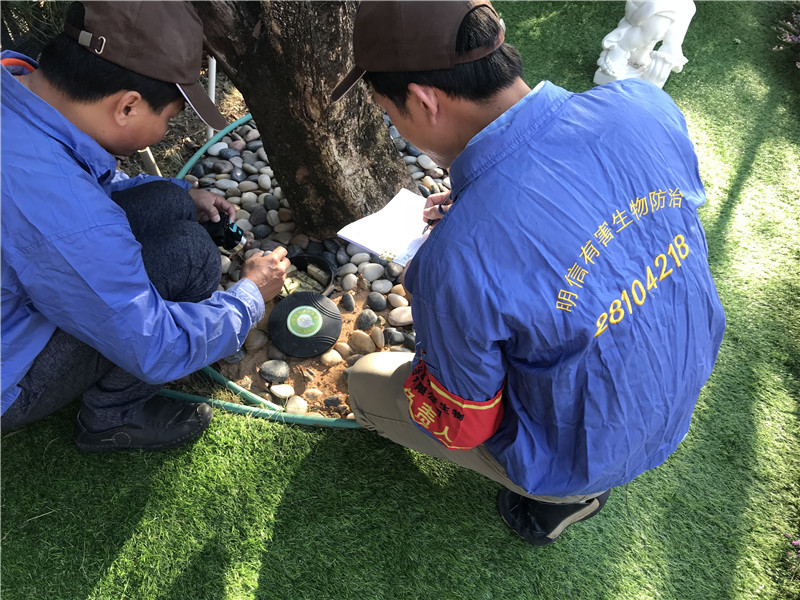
(212, 88)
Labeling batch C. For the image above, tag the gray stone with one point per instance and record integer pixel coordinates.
(261, 231)
(376, 301)
(274, 371)
(222, 167)
(346, 269)
(258, 215)
(264, 182)
(228, 153)
(372, 271)
(393, 270)
(382, 286)
(426, 162)
(342, 257)
(347, 303)
(225, 184)
(214, 149)
(349, 281)
(332, 401)
(366, 319)
(393, 337)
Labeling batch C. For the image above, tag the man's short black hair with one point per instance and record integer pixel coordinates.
(85, 77)
(477, 80)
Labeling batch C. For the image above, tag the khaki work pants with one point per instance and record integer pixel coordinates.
(379, 404)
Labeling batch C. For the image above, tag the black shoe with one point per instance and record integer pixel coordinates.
(539, 523)
(162, 423)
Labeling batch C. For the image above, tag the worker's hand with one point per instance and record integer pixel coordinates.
(209, 205)
(267, 271)
(436, 205)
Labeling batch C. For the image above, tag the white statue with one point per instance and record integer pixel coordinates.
(629, 50)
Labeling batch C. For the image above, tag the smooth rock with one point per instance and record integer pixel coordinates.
(361, 257)
(215, 149)
(382, 286)
(312, 394)
(330, 358)
(347, 303)
(361, 343)
(399, 290)
(296, 405)
(426, 162)
(356, 249)
(258, 216)
(342, 257)
(274, 371)
(397, 300)
(376, 301)
(332, 401)
(248, 186)
(376, 333)
(346, 269)
(272, 218)
(261, 231)
(349, 281)
(281, 391)
(393, 270)
(366, 319)
(225, 184)
(393, 337)
(371, 272)
(343, 349)
(228, 153)
(400, 316)
(255, 340)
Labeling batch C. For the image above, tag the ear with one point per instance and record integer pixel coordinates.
(126, 106)
(427, 99)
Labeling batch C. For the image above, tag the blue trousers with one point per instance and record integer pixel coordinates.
(183, 264)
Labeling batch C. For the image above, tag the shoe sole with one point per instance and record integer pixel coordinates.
(114, 445)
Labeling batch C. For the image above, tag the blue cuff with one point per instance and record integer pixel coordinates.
(247, 291)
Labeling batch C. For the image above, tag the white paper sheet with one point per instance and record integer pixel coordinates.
(394, 232)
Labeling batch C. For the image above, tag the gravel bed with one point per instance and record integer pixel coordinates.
(376, 316)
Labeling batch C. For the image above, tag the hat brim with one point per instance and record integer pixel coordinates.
(198, 99)
(348, 82)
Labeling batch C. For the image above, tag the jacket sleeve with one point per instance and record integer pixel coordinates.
(90, 281)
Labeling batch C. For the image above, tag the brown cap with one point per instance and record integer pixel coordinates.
(161, 40)
(406, 36)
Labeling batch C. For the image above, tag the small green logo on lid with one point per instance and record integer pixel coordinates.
(304, 321)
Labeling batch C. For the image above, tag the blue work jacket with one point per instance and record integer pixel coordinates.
(70, 261)
(569, 286)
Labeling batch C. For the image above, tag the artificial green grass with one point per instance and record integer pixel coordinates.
(261, 510)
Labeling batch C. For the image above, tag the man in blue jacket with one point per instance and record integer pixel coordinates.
(565, 314)
(109, 283)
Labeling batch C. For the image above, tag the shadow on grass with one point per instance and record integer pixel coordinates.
(53, 496)
(417, 527)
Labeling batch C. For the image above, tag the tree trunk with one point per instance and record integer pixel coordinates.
(335, 162)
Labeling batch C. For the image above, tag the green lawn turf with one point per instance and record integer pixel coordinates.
(262, 510)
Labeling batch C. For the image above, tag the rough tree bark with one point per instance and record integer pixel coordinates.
(335, 162)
